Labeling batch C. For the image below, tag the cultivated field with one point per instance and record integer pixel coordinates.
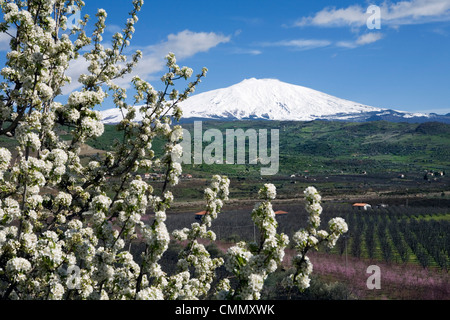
(407, 237)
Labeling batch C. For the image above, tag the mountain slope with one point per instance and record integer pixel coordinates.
(271, 99)
(268, 99)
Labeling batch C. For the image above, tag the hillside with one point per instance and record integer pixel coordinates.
(325, 147)
(339, 158)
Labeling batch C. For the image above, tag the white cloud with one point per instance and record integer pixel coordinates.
(353, 15)
(309, 44)
(253, 52)
(113, 28)
(392, 14)
(369, 38)
(187, 43)
(5, 39)
(362, 40)
(299, 44)
(75, 70)
(416, 11)
(184, 44)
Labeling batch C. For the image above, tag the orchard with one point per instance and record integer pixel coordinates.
(65, 225)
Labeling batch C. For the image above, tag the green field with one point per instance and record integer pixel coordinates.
(339, 158)
(322, 147)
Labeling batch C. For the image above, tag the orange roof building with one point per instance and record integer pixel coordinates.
(200, 214)
(364, 206)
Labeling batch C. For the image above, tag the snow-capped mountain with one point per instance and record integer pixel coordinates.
(268, 99)
(272, 99)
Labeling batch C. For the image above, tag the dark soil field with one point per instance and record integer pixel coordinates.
(406, 232)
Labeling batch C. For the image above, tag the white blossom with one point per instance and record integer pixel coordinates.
(92, 127)
(63, 199)
(61, 211)
(338, 225)
(268, 191)
(150, 294)
(18, 265)
(5, 158)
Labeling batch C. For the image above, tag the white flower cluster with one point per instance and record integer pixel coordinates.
(27, 138)
(252, 263)
(68, 226)
(310, 238)
(268, 192)
(18, 268)
(337, 227)
(195, 255)
(9, 210)
(5, 159)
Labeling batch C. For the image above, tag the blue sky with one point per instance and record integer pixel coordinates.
(323, 45)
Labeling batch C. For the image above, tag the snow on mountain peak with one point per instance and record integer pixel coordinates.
(268, 99)
(272, 99)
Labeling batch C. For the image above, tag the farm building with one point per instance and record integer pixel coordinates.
(199, 215)
(363, 206)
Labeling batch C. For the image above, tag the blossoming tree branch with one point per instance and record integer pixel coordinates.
(66, 225)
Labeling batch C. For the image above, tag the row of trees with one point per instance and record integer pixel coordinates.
(393, 234)
(394, 237)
